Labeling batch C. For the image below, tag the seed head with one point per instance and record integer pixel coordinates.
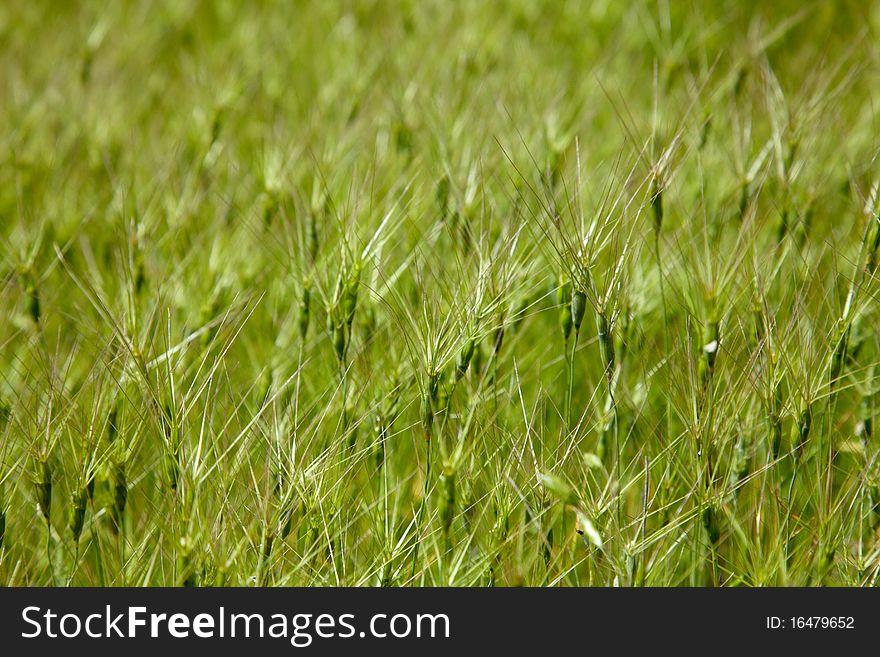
(5, 410)
(113, 423)
(711, 524)
(775, 420)
(606, 343)
(477, 359)
(429, 402)
(270, 205)
(90, 483)
(447, 499)
(874, 249)
(43, 485)
(120, 493)
(758, 320)
(866, 423)
(350, 293)
(578, 309)
(78, 512)
(339, 341)
(311, 235)
(464, 358)
(305, 308)
(441, 196)
(564, 301)
(801, 430)
(32, 296)
(498, 338)
(740, 458)
(171, 460)
(657, 203)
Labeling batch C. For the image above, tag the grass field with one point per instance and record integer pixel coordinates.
(439, 293)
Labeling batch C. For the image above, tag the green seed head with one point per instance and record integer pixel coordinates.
(43, 486)
(270, 204)
(90, 483)
(801, 430)
(741, 458)
(305, 309)
(441, 196)
(774, 419)
(874, 249)
(578, 309)
(33, 304)
(657, 203)
(5, 411)
(403, 137)
(464, 358)
(120, 492)
(32, 296)
(171, 456)
(498, 338)
(866, 413)
(113, 423)
(711, 524)
(78, 512)
(268, 545)
(429, 402)
(447, 498)
(758, 320)
(564, 301)
(775, 436)
(350, 293)
(606, 342)
(312, 235)
(339, 342)
(477, 360)
(85, 69)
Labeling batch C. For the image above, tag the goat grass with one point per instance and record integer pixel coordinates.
(439, 295)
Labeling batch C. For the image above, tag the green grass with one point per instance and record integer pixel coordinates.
(432, 293)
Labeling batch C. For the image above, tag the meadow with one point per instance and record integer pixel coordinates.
(437, 293)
